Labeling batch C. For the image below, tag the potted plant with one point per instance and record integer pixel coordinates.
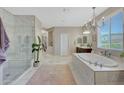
(36, 47)
(122, 55)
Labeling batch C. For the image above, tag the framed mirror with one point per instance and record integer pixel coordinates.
(84, 39)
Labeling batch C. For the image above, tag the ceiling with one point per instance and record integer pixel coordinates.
(58, 16)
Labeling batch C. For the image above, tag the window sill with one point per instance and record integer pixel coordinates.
(117, 50)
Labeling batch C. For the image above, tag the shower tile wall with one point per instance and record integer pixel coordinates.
(24, 30)
(38, 27)
(9, 24)
(20, 30)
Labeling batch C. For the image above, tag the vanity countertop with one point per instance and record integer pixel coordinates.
(83, 47)
(120, 66)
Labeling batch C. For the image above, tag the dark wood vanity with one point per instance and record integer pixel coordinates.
(83, 50)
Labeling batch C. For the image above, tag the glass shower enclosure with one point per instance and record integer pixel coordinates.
(19, 54)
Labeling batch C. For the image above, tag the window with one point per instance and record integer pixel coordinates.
(104, 34)
(110, 34)
(117, 31)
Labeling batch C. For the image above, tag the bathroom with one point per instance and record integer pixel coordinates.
(71, 42)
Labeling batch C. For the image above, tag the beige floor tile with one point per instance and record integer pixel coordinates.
(57, 74)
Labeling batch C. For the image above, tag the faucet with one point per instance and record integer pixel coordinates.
(95, 63)
(101, 65)
(109, 54)
(106, 53)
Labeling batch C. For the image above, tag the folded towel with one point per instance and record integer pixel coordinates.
(0, 40)
(2, 57)
(4, 42)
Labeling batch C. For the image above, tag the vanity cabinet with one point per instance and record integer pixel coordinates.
(83, 50)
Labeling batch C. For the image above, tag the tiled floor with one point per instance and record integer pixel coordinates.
(55, 59)
(53, 70)
(59, 74)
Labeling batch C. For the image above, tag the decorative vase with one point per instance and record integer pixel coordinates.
(36, 64)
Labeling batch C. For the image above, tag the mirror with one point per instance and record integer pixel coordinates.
(84, 39)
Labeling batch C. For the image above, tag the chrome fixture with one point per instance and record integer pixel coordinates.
(94, 17)
(92, 23)
(101, 65)
(106, 53)
(95, 64)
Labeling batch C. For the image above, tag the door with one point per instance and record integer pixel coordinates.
(64, 44)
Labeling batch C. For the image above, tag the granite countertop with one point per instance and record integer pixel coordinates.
(84, 47)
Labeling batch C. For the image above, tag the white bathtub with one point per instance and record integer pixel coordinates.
(97, 60)
(87, 70)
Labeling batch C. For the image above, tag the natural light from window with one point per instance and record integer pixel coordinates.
(110, 33)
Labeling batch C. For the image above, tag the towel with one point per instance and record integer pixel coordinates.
(4, 42)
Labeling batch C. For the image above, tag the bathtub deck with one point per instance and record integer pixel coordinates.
(57, 74)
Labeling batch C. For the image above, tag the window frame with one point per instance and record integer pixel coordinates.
(109, 17)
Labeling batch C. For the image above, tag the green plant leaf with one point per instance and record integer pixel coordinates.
(35, 50)
(39, 39)
(35, 45)
(122, 54)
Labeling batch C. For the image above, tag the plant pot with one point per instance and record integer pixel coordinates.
(36, 64)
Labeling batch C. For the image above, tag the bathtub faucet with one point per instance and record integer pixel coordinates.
(95, 63)
(106, 53)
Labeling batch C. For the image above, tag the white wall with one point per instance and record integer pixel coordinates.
(38, 27)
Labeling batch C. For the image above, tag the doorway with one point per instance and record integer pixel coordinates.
(64, 44)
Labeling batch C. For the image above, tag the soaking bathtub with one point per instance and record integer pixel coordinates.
(98, 60)
(92, 69)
